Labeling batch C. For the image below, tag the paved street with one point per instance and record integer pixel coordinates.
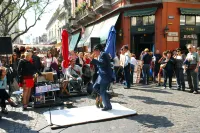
(159, 111)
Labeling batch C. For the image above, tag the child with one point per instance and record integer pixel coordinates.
(3, 93)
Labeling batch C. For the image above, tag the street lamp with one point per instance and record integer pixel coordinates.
(166, 30)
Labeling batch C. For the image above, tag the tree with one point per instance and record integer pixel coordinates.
(11, 11)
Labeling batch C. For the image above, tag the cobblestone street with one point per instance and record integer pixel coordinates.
(159, 111)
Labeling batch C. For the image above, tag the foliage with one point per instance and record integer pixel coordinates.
(81, 7)
(11, 11)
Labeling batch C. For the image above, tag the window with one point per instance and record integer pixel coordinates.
(190, 20)
(151, 19)
(182, 20)
(145, 20)
(138, 21)
(133, 21)
(197, 20)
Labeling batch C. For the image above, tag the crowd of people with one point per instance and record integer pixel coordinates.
(100, 69)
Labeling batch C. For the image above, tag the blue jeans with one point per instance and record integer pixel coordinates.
(104, 95)
(145, 73)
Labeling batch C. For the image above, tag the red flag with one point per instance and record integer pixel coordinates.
(65, 48)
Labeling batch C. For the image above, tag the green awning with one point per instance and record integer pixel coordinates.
(95, 32)
(190, 11)
(74, 41)
(85, 36)
(140, 12)
(103, 34)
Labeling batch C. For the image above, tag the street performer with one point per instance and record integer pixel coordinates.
(104, 75)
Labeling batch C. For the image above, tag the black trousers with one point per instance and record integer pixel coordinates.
(168, 75)
(3, 97)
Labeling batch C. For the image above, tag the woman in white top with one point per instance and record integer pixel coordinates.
(133, 63)
(48, 62)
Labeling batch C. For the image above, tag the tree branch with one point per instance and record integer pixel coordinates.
(27, 28)
(5, 8)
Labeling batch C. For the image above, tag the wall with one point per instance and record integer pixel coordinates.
(172, 9)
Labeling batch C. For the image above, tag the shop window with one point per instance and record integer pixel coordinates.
(145, 20)
(133, 21)
(197, 20)
(182, 20)
(190, 20)
(151, 19)
(139, 21)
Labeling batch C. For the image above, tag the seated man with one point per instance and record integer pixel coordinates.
(74, 74)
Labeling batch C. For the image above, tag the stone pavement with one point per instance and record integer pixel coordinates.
(159, 111)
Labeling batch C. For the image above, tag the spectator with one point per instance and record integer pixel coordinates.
(192, 71)
(168, 68)
(37, 61)
(80, 60)
(126, 66)
(48, 61)
(3, 93)
(146, 61)
(26, 70)
(157, 56)
(14, 61)
(116, 64)
(179, 58)
(133, 63)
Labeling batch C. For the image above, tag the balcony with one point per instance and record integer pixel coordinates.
(73, 24)
(85, 16)
(102, 6)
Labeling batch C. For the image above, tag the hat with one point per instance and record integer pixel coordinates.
(146, 50)
(98, 47)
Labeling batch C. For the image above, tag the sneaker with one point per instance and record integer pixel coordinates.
(195, 92)
(4, 111)
(164, 87)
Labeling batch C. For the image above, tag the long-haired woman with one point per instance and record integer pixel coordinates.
(48, 61)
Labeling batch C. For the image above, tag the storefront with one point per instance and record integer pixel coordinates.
(142, 29)
(96, 33)
(189, 27)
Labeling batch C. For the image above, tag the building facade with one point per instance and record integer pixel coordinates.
(55, 25)
(153, 24)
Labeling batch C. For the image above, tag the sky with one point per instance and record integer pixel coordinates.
(40, 27)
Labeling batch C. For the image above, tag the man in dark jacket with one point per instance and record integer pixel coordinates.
(36, 61)
(104, 75)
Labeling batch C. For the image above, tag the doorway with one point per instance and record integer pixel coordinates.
(140, 42)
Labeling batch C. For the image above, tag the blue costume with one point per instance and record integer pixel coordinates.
(104, 78)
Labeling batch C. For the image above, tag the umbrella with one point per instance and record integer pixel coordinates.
(111, 42)
(65, 48)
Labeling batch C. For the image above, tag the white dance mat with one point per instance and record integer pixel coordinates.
(74, 116)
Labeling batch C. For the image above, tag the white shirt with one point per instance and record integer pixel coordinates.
(48, 61)
(116, 61)
(127, 59)
(133, 61)
(71, 72)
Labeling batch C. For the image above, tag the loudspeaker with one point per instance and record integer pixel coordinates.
(6, 45)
